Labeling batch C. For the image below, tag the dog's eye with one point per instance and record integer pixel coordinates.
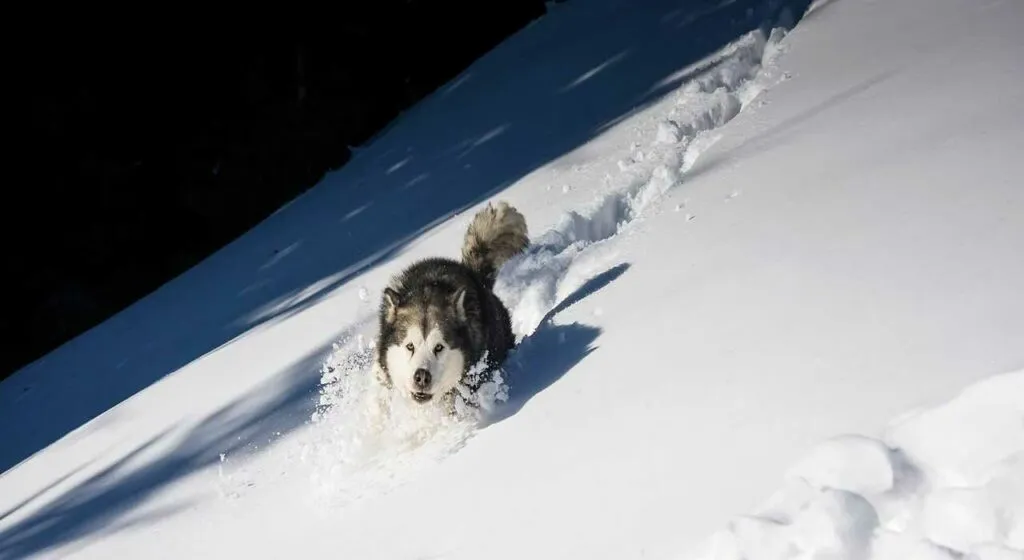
(438, 348)
(410, 347)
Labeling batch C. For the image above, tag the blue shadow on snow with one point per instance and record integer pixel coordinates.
(102, 503)
(552, 350)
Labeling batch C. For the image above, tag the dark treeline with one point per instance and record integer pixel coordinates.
(149, 155)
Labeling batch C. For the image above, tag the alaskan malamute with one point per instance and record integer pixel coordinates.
(439, 317)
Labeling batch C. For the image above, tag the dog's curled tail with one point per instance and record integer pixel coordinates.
(496, 234)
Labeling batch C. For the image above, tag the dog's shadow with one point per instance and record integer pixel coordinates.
(543, 357)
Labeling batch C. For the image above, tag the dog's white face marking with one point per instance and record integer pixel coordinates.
(430, 353)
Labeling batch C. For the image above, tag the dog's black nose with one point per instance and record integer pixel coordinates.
(421, 378)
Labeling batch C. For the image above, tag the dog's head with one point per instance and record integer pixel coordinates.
(424, 340)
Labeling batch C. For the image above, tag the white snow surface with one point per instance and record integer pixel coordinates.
(772, 310)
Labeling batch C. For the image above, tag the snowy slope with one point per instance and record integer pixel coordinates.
(774, 282)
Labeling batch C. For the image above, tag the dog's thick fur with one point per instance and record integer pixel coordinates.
(439, 317)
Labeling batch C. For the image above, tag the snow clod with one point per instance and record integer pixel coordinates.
(837, 525)
(959, 518)
(853, 463)
(888, 545)
(668, 133)
(990, 551)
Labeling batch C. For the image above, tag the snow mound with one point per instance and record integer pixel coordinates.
(947, 482)
(967, 441)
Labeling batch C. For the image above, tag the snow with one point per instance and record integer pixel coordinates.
(771, 310)
(853, 463)
(907, 495)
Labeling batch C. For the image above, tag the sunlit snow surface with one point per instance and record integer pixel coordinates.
(771, 309)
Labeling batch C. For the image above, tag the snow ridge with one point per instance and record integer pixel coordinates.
(943, 483)
(355, 451)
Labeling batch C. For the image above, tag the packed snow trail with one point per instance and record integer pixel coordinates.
(567, 255)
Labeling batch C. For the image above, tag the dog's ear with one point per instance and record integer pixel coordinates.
(391, 301)
(459, 303)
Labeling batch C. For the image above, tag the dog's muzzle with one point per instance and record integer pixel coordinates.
(421, 379)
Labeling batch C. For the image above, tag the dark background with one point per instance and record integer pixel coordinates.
(144, 156)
